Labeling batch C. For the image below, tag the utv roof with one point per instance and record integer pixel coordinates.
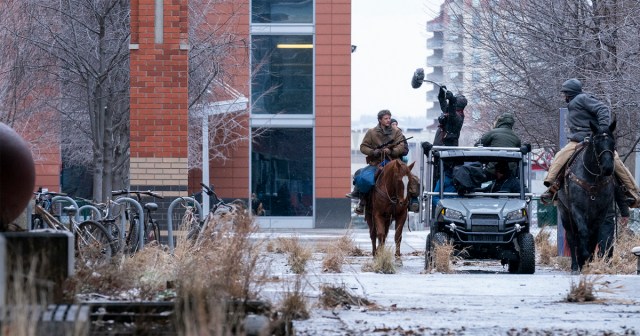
(478, 153)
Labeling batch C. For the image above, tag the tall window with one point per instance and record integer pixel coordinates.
(282, 171)
(282, 11)
(283, 74)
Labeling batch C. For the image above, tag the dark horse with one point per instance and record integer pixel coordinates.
(588, 193)
(388, 201)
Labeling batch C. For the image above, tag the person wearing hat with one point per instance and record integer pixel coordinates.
(373, 146)
(502, 135)
(451, 119)
(583, 109)
(504, 180)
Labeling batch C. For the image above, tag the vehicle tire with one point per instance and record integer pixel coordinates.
(527, 264)
(93, 244)
(438, 239)
(428, 254)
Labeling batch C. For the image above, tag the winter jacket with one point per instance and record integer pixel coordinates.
(451, 120)
(502, 134)
(377, 136)
(583, 108)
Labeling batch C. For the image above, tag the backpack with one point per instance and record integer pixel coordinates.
(468, 177)
(366, 179)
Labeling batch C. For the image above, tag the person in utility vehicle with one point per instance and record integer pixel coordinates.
(504, 182)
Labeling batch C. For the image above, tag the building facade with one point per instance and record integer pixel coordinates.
(296, 157)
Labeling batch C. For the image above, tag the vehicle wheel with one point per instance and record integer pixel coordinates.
(428, 254)
(93, 243)
(527, 264)
(438, 239)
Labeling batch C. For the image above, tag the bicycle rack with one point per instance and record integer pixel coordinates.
(170, 216)
(60, 199)
(93, 209)
(141, 215)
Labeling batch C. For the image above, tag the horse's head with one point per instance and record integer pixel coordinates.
(396, 175)
(603, 144)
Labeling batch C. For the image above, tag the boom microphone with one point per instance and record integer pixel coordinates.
(418, 78)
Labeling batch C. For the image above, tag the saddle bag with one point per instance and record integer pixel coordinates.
(366, 179)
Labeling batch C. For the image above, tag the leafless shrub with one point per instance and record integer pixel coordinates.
(383, 262)
(587, 288)
(297, 255)
(547, 251)
(336, 253)
(339, 296)
(443, 255)
(294, 304)
(618, 260)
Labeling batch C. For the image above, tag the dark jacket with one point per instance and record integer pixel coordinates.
(451, 120)
(502, 134)
(377, 136)
(510, 184)
(584, 108)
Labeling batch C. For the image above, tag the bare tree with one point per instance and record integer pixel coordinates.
(86, 44)
(521, 52)
(218, 52)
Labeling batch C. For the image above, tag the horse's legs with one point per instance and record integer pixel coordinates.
(400, 220)
(571, 241)
(373, 236)
(382, 229)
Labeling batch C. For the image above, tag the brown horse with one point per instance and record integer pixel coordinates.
(387, 201)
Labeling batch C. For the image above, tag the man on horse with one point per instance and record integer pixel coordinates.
(584, 108)
(381, 144)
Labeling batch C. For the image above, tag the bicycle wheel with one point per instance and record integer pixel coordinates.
(153, 232)
(114, 232)
(93, 244)
(132, 239)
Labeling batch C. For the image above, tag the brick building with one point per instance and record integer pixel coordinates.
(299, 165)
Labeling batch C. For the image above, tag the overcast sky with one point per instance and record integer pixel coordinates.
(390, 36)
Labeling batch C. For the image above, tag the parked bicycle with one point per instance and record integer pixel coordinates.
(218, 206)
(150, 230)
(92, 242)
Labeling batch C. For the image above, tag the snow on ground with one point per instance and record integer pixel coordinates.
(481, 298)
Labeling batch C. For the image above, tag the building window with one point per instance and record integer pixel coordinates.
(282, 66)
(282, 11)
(282, 170)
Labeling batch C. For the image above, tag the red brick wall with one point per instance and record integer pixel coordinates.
(159, 97)
(333, 98)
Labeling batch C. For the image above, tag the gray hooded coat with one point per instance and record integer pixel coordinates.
(583, 107)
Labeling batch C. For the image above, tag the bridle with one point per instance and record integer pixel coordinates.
(597, 155)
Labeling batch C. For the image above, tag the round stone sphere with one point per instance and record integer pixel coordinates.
(17, 175)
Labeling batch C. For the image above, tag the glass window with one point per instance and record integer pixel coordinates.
(282, 171)
(282, 66)
(282, 11)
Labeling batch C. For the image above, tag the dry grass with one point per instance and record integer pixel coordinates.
(339, 296)
(621, 260)
(383, 262)
(297, 255)
(336, 253)
(294, 304)
(587, 288)
(442, 260)
(546, 250)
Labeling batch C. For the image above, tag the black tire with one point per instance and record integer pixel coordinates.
(114, 232)
(154, 232)
(132, 237)
(438, 239)
(527, 264)
(93, 244)
(428, 254)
